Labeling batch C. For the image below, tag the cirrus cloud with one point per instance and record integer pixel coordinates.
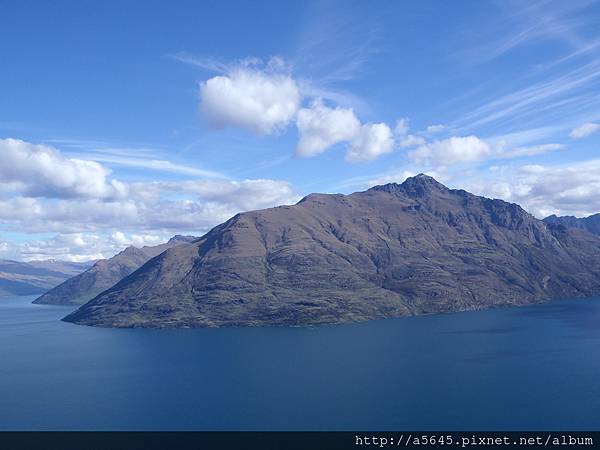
(584, 130)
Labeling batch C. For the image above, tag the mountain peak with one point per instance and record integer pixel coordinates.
(424, 180)
(179, 238)
(419, 185)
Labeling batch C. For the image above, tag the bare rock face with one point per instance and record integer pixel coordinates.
(393, 250)
(104, 274)
(590, 223)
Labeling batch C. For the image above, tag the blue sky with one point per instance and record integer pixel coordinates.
(126, 122)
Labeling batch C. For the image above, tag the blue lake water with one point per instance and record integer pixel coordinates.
(535, 367)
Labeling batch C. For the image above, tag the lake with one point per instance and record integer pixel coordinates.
(534, 367)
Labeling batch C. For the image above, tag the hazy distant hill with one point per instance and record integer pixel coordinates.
(398, 249)
(105, 273)
(591, 223)
(35, 277)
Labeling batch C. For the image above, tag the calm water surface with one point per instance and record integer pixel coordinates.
(521, 368)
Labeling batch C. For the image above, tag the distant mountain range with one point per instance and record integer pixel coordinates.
(105, 273)
(393, 250)
(35, 277)
(591, 223)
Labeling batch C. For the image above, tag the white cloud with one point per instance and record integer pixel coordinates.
(91, 228)
(265, 98)
(401, 127)
(137, 240)
(532, 150)
(158, 165)
(263, 101)
(572, 189)
(452, 150)
(433, 129)
(78, 246)
(411, 140)
(236, 195)
(394, 177)
(374, 140)
(321, 127)
(155, 207)
(584, 130)
(35, 199)
(42, 171)
(456, 150)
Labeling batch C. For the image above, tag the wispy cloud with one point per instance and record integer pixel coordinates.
(528, 101)
(129, 155)
(584, 130)
(336, 43)
(527, 23)
(210, 64)
(155, 164)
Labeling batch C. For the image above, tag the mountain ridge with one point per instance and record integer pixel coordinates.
(392, 250)
(590, 223)
(35, 277)
(105, 273)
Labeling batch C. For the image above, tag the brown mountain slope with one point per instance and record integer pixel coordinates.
(390, 251)
(105, 273)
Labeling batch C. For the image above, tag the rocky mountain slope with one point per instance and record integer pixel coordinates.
(590, 223)
(393, 250)
(105, 273)
(35, 277)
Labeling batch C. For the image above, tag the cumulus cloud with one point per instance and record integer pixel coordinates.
(456, 150)
(165, 208)
(265, 98)
(168, 207)
(411, 140)
(262, 101)
(236, 196)
(321, 127)
(62, 195)
(452, 150)
(373, 140)
(572, 189)
(584, 130)
(42, 171)
(77, 246)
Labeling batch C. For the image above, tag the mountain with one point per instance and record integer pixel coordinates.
(591, 223)
(105, 273)
(393, 250)
(35, 277)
